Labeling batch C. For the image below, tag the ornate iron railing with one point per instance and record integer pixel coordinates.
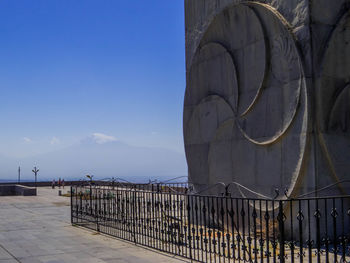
(217, 228)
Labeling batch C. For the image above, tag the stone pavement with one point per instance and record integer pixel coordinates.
(37, 229)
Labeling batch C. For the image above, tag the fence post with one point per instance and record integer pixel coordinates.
(91, 198)
(189, 224)
(134, 215)
(71, 204)
(281, 218)
(98, 207)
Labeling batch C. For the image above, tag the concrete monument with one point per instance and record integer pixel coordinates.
(267, 103)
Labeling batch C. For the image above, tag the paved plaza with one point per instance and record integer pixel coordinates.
(37, 229)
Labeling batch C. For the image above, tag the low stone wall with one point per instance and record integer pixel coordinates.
(49, 183)
(15, 189)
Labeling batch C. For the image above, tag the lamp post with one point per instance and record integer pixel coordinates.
(113, 181)
(19, 174)
(35, 171)
(90, 178)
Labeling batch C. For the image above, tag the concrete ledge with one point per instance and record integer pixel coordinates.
(16, 189)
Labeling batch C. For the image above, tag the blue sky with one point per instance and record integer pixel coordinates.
(69, 69)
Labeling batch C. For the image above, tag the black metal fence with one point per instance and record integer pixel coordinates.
(217, 228)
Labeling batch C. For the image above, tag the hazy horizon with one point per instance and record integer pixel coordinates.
(104, 157)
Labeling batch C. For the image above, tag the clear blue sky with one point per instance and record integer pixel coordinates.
(69, 69)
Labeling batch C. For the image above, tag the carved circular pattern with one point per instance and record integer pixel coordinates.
(333, 106)
(245, 102)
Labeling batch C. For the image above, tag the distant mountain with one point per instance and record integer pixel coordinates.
(108, 159)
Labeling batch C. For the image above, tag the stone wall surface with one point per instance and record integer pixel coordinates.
(267, 101)
(15, 189)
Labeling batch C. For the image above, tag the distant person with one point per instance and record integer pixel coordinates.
(59, 183)
(62, 182)
(53, 184)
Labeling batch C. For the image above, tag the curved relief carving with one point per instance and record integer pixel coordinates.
(339, 118)
(333, 103)
(251, 82)
(282, 88)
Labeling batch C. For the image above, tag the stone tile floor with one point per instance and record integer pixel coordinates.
(37, 229)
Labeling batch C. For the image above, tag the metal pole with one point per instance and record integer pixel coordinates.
(281, 219)
(35, 171)
(133, 215)
(19, 174)
(71, 204)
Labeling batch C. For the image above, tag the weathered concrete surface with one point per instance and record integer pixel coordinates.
(267, 102)
(37, 229)
(16, 189)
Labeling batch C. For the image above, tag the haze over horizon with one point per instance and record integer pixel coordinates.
(104, 157)
(71, 70)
